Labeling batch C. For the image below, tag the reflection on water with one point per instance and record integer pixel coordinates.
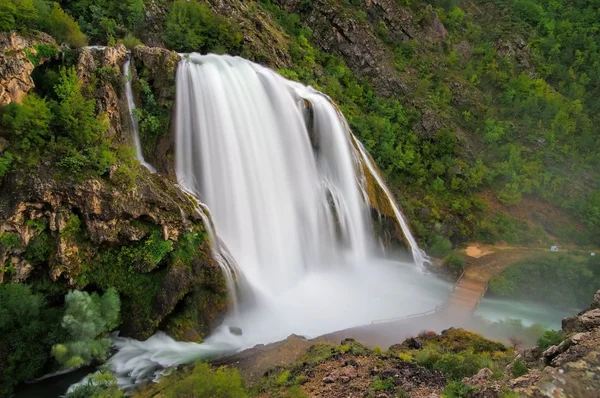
(529, 313)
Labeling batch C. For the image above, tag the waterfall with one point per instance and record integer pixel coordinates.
(276, 164)
(133, 117)
(419, 255)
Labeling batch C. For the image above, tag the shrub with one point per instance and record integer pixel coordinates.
(28, 124)
(519, 368)
(439, 246)
(454, 261)
(458, 389)
(550, 338)
(380, 384)
(193, 26)
(87, 317)
(130, 41)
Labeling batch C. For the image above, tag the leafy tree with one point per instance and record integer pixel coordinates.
(87, 318)
(27, 332)
(28, 123)
(76, 115)
(64, 28)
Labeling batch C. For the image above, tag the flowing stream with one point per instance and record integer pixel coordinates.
(276, 164)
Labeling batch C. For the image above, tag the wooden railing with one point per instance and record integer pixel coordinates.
(401, 318)
(435, 310)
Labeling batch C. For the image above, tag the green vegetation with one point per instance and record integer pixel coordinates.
(63, 128)
(458, 354)
(530, 132)
(87, 317)
(25, 15)
(454, 262)
(555, 278)
(99, 385)
(193, 26)
(28, 329)
(458, 389)
(106, 20)
(519, 368)
(200, 381)
(550, 338)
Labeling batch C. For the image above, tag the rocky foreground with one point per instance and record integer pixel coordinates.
(454, 363)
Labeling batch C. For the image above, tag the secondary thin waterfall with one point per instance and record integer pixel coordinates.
(133, 117)
(276, 164)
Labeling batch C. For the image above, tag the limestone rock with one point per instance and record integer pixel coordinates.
(15, 67)
(109, 60)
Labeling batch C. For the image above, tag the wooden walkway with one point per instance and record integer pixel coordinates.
(465, 298)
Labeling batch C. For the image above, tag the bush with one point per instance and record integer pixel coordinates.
(454, 261)
(130, 41)
(439, 246)
(550, 338)
(193, 26)
(519, 368)
(458, 389)
(87, 317)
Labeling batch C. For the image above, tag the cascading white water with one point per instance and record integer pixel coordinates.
(419, 255)
(133, 117)
(275, 163)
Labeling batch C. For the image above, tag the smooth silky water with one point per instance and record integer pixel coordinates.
(282, 175)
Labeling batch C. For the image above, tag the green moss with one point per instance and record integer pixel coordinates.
(117, 267)
(72, 228)
(319, 353)
(8, 240)
(39, 248)
(37, 224)
(42, 52)
(188, 246)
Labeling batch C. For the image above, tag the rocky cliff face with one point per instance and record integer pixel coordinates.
(128, 229)
(96, 233)
(16, 55)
